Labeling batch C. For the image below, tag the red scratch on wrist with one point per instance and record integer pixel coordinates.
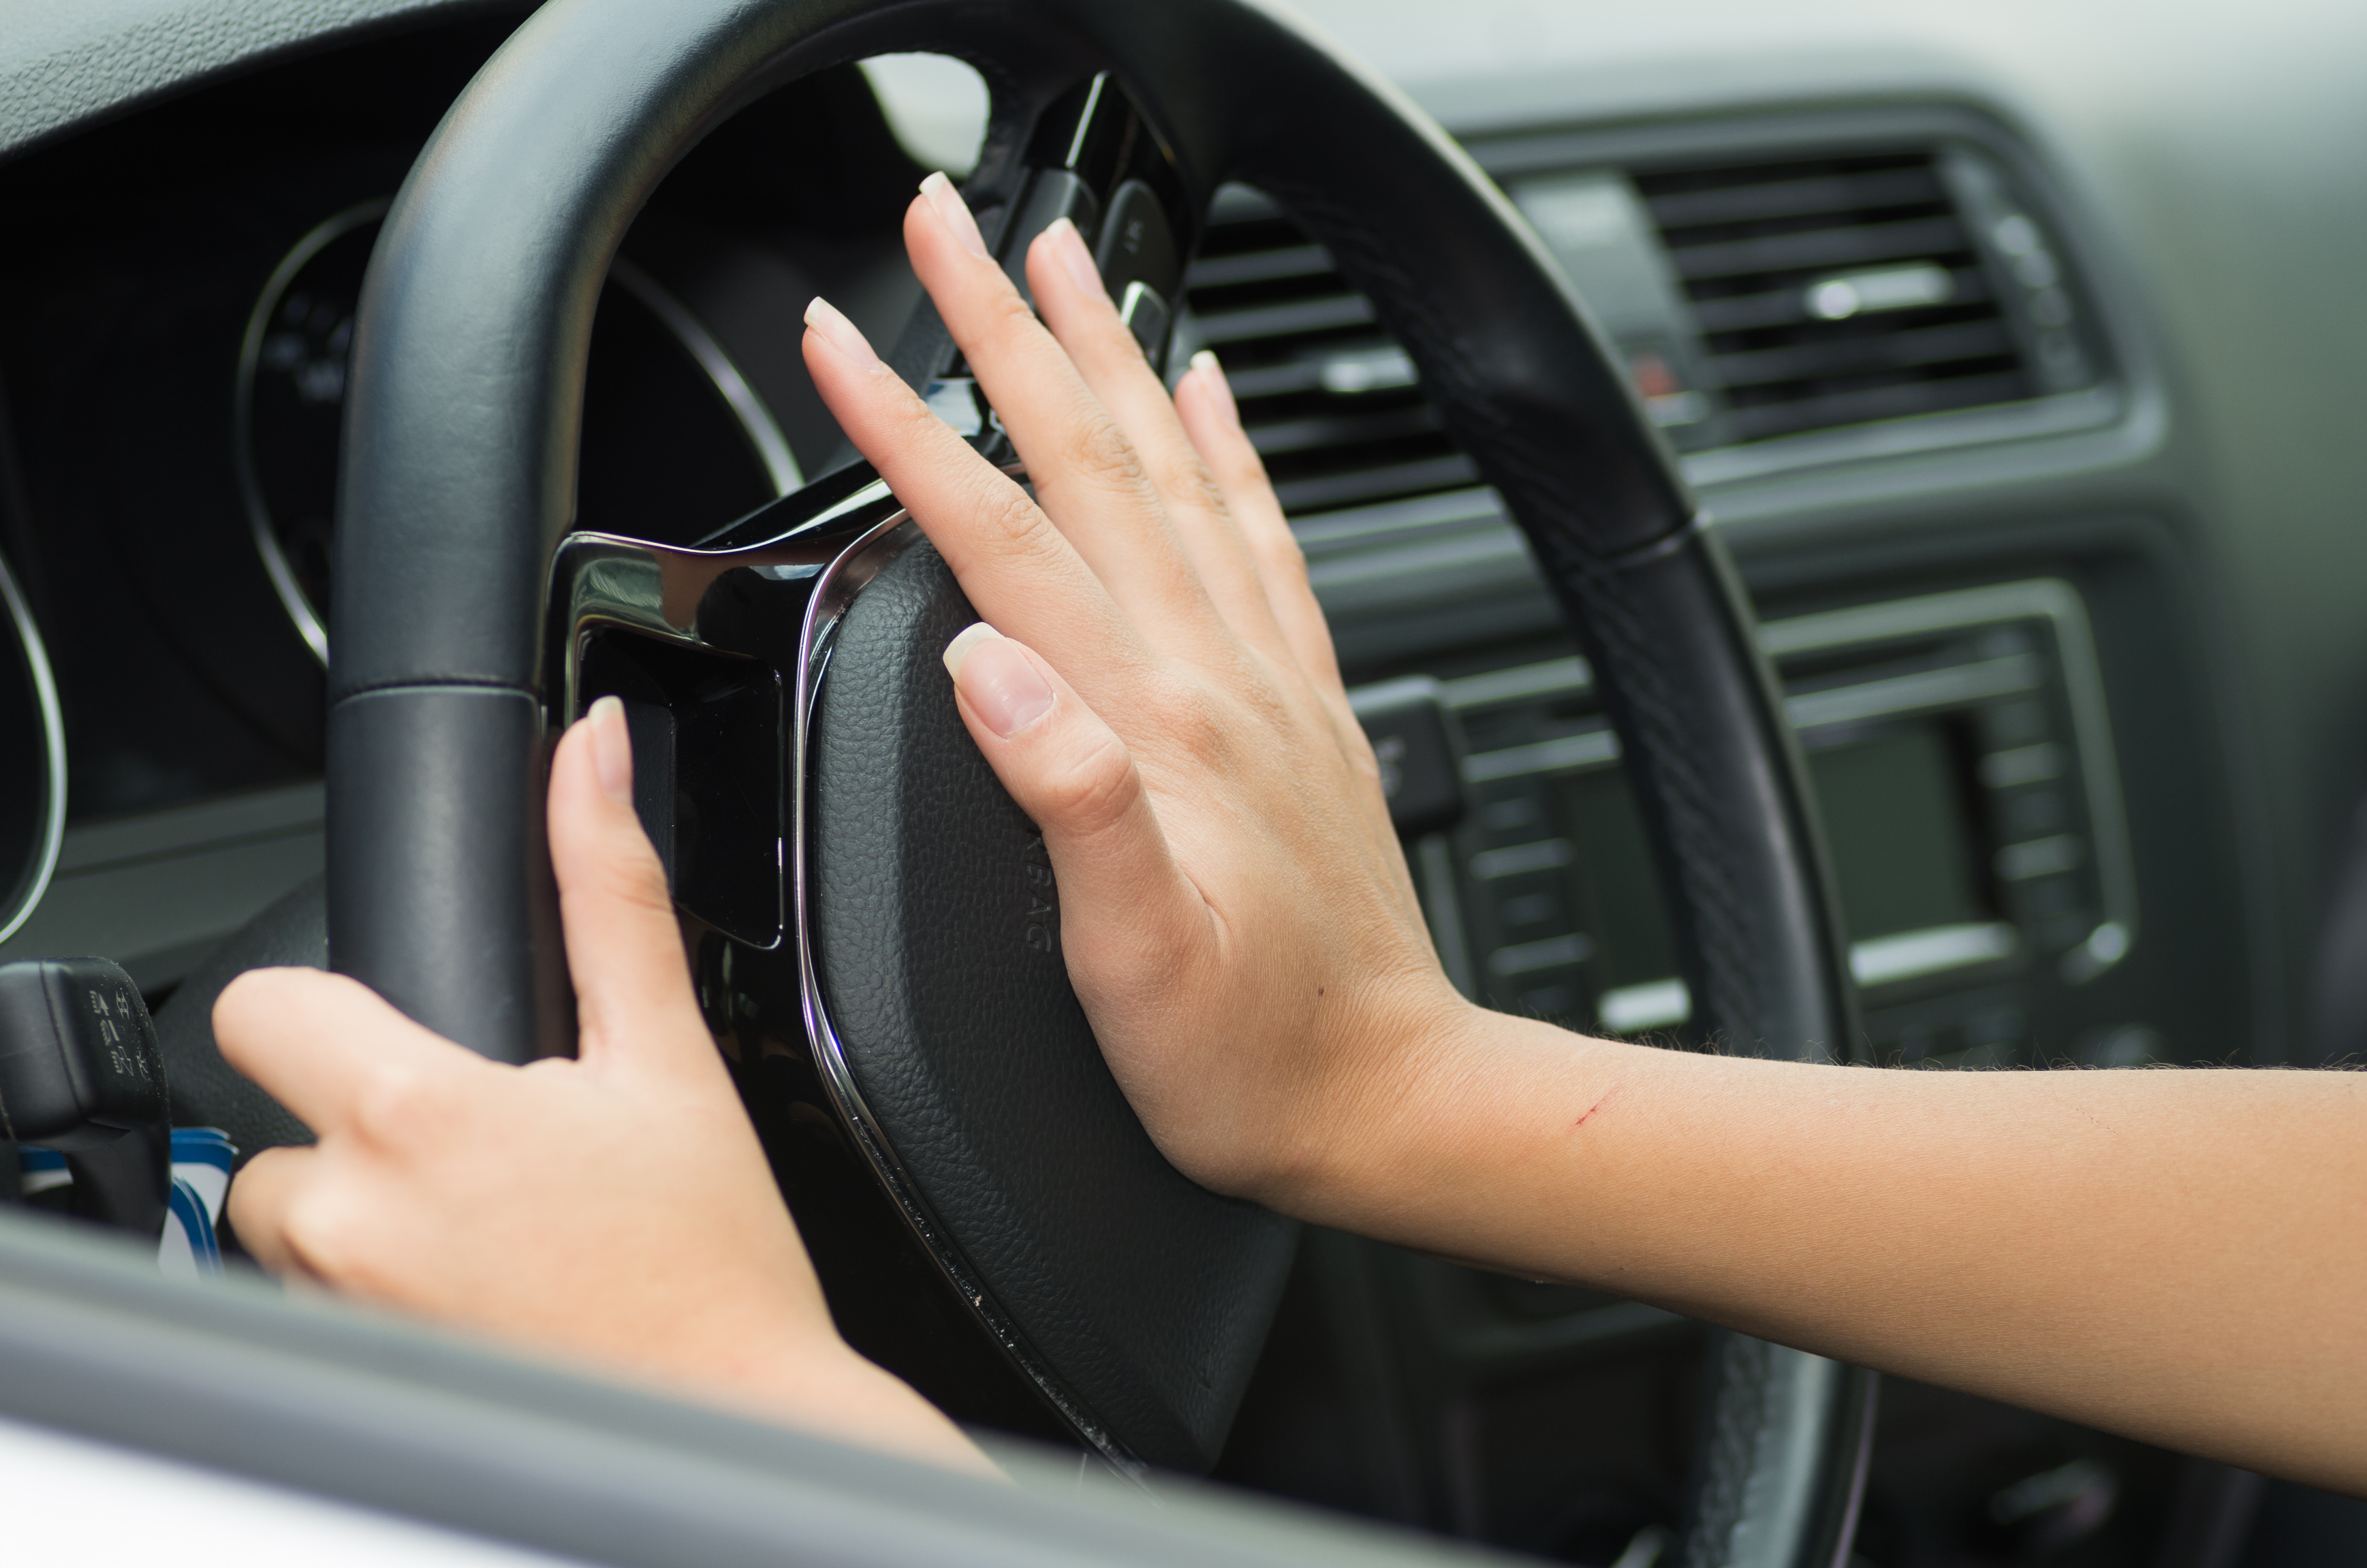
(1597, 1106)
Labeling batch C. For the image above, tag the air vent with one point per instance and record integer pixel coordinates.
(1328, 399)
(1750, 301)
(1834, 291)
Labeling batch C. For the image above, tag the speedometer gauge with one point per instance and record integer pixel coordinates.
(33, 773)
(676, 444)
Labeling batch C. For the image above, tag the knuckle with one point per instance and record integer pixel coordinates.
(1099, 452)
(315, 1231)
(1191, 718)
(400, 1102)
(1188, 479)
(1094, 791)
(1014, 526)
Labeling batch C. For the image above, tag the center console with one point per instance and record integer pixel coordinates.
(1962, 760)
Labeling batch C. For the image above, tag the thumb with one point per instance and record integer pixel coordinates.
(1074, 778)
(624, 943)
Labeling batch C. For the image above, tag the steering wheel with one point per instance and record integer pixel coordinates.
(875, 923)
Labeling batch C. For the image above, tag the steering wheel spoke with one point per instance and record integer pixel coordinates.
(704, 647)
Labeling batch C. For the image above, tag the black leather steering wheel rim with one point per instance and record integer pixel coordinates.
(459, 463)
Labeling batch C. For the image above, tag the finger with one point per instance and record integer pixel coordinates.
(1077, 308)
(1205, 407)
(323, 1045)
(1074, 778)
(267, 1188)
(1017, 569)
(1088, 477)
(624, 942)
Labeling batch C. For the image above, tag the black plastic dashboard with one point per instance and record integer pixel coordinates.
(1945, 419)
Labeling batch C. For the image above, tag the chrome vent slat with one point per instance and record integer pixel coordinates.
(1326, 313)
(1797, 198)
(1262, 267)
(1819, 249)
(1783, 307)
(1306, 435)
(1358, 487)
(1302, 375)
(1893, 401)
(1920, 349)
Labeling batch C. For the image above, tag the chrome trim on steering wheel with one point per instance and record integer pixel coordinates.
(831, 540)
(833, 594)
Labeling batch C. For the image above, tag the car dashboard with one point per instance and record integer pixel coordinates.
(2032, 472)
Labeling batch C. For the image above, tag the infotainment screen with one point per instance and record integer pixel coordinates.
(1900, 835)
(1899, 822)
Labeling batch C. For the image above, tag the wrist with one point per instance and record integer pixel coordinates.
(1391, 1057)
(820, 1384)
(1462, 1101)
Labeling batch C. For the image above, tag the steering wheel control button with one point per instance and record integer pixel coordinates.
(1140, 267)
(80, 1074)
(1147, 315)
(1096, 162)
(1052, 195)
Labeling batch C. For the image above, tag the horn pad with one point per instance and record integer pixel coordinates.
(1133, 1297)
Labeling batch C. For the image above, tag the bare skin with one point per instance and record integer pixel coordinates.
(2170, 1255)
(583, 1210)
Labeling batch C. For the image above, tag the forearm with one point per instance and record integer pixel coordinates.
(792, 1367)
(850, 1400)
(2170, 1255)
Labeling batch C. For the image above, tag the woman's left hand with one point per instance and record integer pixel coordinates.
(615, 1209)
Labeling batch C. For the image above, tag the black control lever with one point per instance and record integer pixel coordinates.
(1094, 160)
(80, 1072)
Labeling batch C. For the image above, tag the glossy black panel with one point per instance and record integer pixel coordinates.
(708, 745)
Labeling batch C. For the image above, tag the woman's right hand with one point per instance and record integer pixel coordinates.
(1155, 685)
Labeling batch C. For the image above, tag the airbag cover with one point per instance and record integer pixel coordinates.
(936, 925)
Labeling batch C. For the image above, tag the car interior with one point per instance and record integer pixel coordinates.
(2010, 353)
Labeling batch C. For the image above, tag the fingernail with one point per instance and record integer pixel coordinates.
(998, 680)
(840, 333)
(953, 212)
(1070, 246)
(1206, 363)
(970, 637)
(612, 749)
